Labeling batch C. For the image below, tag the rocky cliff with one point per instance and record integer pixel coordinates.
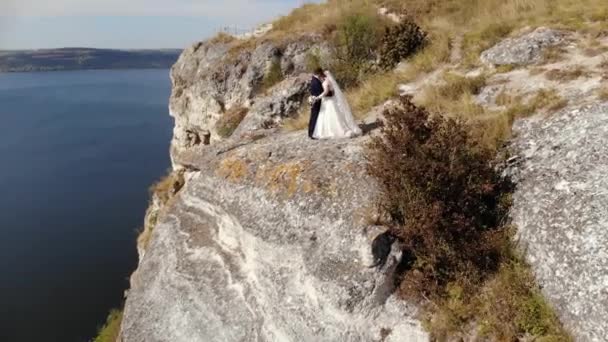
(271, 236)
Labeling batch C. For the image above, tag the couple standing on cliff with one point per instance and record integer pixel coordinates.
(330, 114)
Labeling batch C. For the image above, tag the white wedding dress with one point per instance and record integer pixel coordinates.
(335, 117)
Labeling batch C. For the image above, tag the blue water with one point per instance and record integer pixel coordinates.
(78, 151)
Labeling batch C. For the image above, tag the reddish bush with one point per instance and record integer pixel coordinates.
(443, 195)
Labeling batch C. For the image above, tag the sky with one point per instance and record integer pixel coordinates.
(128, 24)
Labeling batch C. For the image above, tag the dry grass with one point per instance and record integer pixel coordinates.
(222, 38)
(376, 90)
(319, 18)
(231, 119)
(483, 23)
(430, 58)
(299, 121)
(554, 54)
(602, 93)
(502, 69)
(547, 100)
(164, 189)
(167, 186)
(592, 46)
(455, 96)
(565, 75)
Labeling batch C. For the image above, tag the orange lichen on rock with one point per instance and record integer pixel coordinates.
(232, 169)
(284, 177)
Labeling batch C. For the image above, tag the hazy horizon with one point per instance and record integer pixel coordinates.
(133, 25)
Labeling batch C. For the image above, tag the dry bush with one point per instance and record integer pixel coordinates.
(447, 204)
(443, 194)
(400, 42)
(230, 120)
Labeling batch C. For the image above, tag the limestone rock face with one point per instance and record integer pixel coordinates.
(560, 208)
(270, 240)
(214, 76)
(280, 102)
(525, 49)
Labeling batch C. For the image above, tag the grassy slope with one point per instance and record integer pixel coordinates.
(509, 305)
(476, 24)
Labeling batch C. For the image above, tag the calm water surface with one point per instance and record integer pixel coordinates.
(78, 151)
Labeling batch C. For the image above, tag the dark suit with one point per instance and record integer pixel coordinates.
(316, 89)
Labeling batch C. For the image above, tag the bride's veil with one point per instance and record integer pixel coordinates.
(342, 103)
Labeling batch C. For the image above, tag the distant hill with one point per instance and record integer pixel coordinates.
(85, 58)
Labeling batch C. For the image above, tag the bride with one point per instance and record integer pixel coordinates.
(335, 117)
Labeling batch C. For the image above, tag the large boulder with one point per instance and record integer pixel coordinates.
(526, 49)
(270, 239)
(280, 102)
(560, 210)
(214, 76)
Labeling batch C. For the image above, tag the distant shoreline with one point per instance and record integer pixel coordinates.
(76, 59)
(75, 70)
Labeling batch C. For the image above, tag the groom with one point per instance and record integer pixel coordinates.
(316, 89)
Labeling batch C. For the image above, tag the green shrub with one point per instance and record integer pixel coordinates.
(442, 193)
(230, 120)
(356, 39)
(400, 42)
(273, 76)
(110, 330)
(313, 61)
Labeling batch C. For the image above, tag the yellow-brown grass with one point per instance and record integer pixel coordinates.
(602, 93)
(377, 89)
(164, 189)
(299, 121)
(554, 54)
(230, 120)
(455, 96)
(565, 75)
